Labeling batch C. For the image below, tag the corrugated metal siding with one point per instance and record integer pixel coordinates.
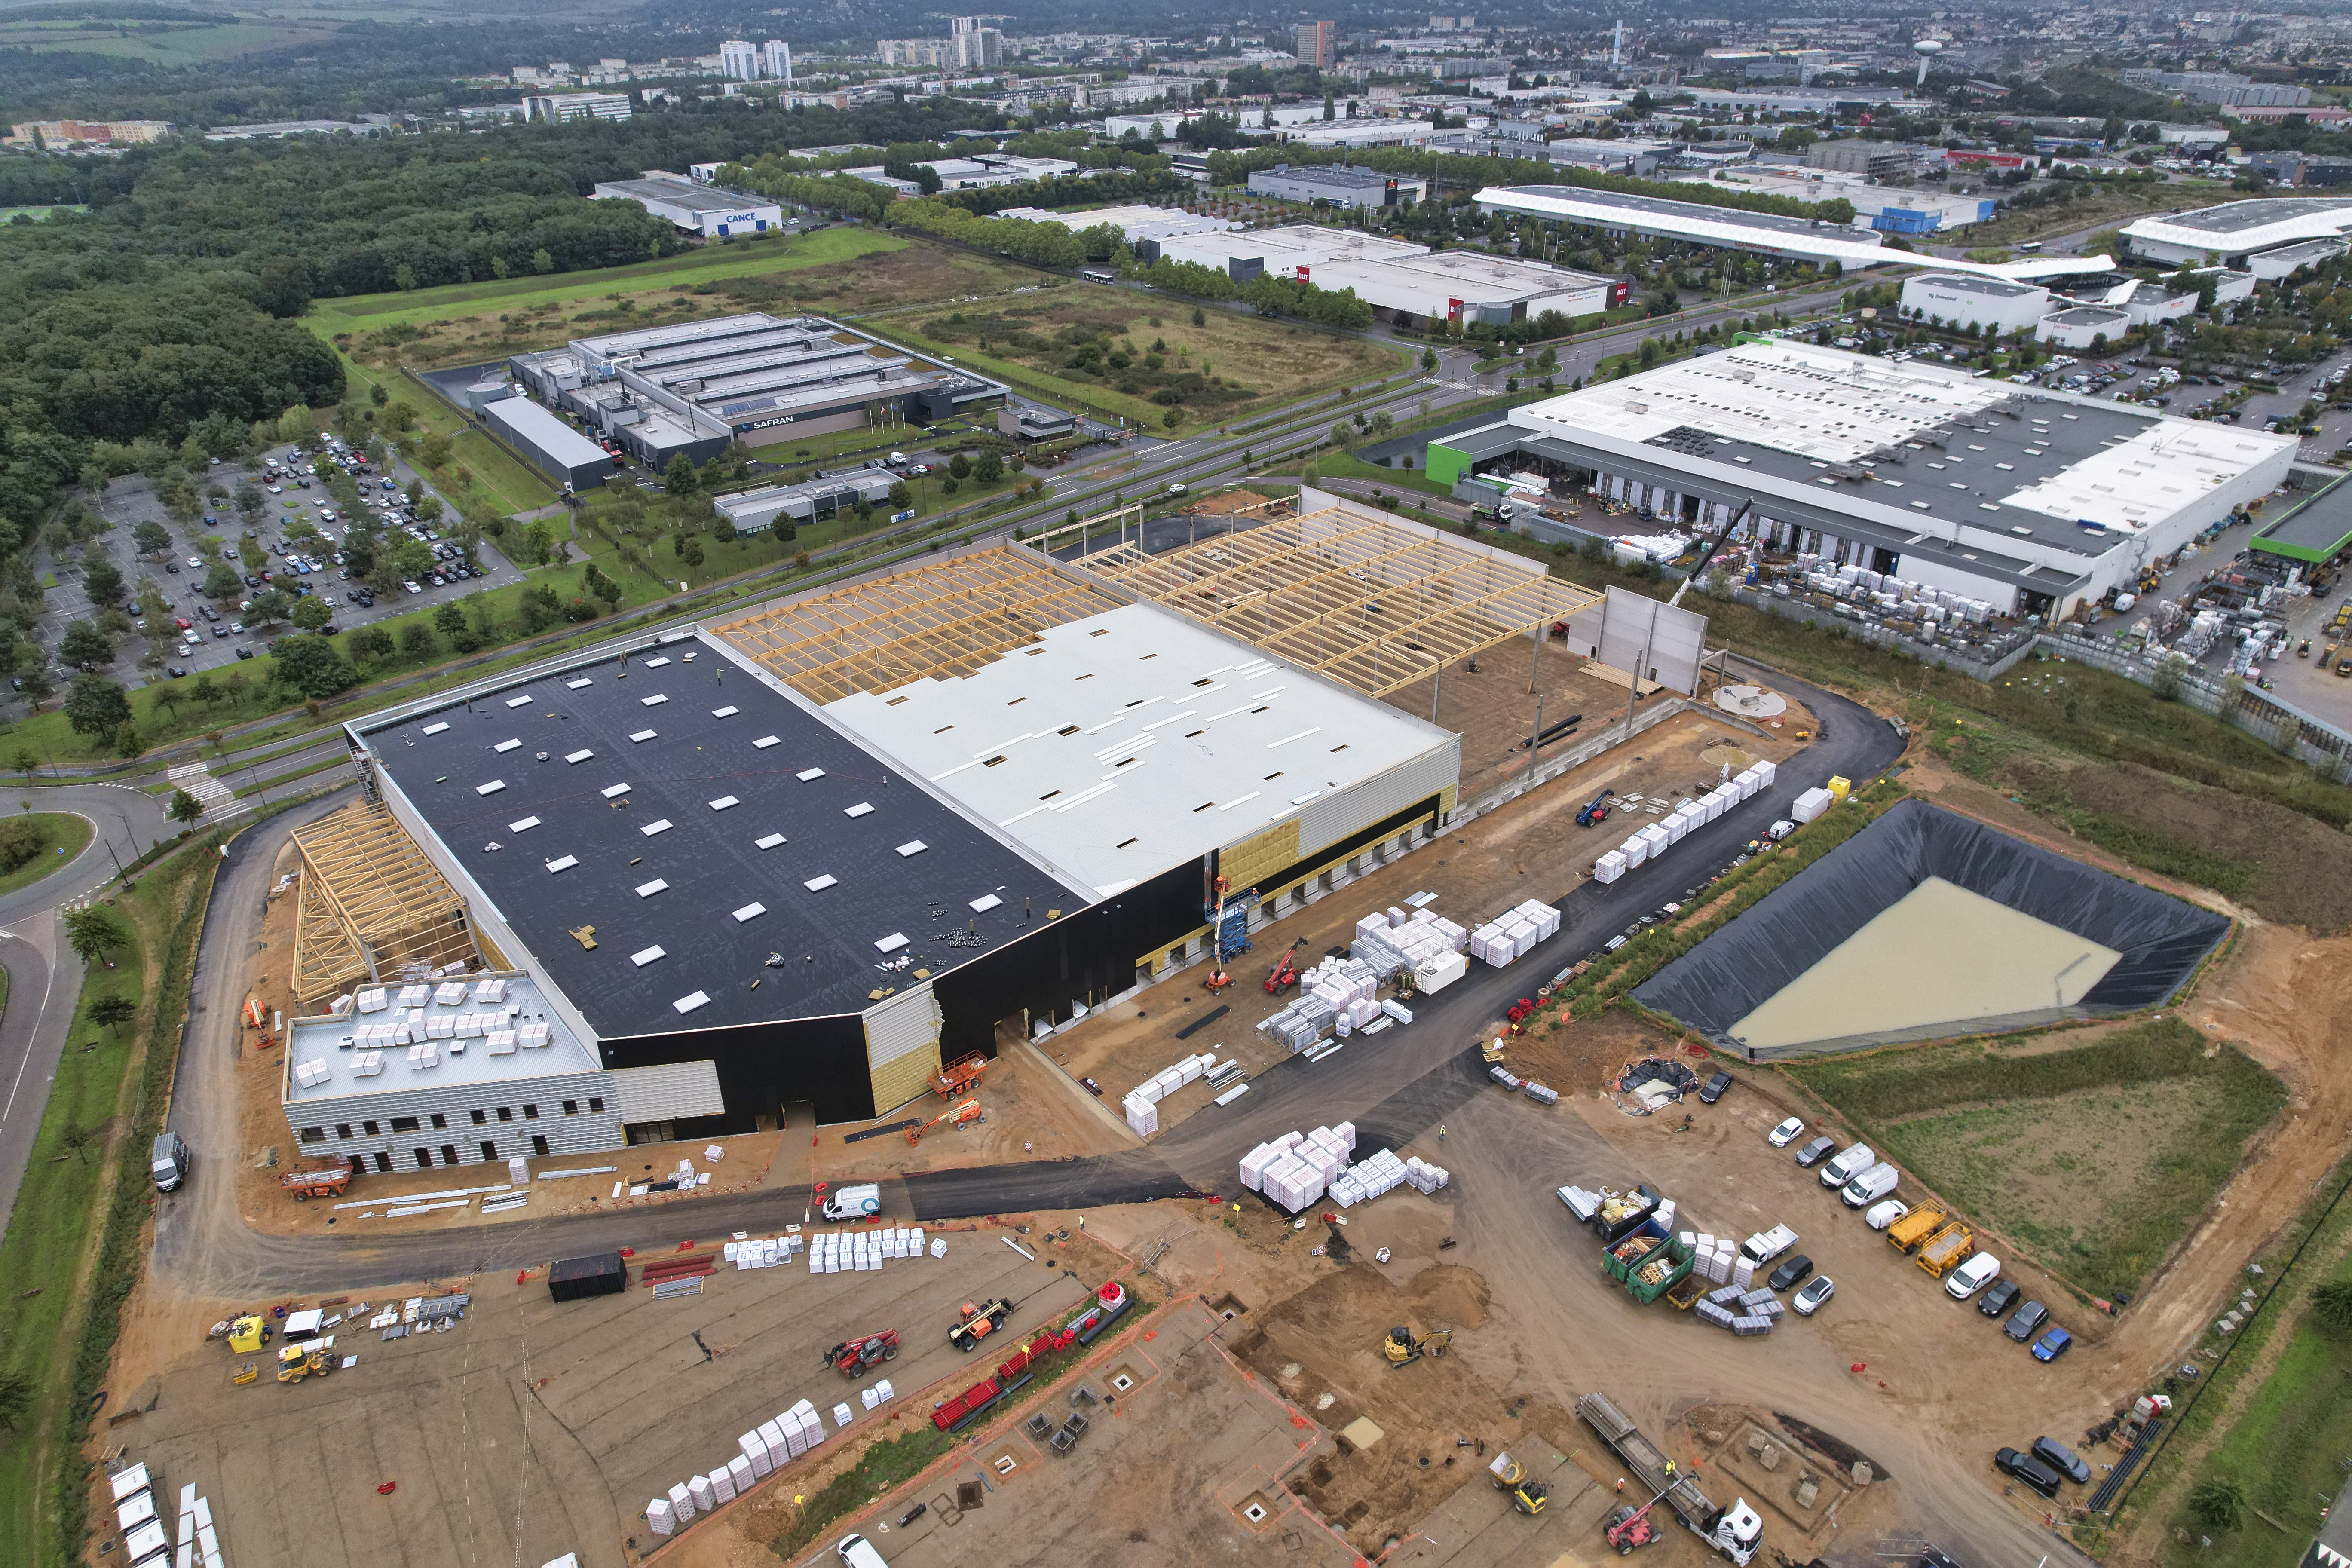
(902, 1045)
(1335, 816)
(669, 1092)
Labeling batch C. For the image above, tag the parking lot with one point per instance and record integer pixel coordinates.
(131, 501)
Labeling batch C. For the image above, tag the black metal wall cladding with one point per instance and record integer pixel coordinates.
(762, 1066)
(2162, 939)
(1088, 953)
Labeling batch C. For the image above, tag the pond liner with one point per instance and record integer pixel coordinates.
(2161, 939)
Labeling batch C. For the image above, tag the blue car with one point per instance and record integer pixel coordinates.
(2051, 1345)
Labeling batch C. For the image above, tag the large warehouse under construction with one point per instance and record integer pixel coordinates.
(796, 858)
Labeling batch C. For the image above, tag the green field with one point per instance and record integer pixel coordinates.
(738, 258)
(161, 44)
(83, 1194)
(2097, 1157)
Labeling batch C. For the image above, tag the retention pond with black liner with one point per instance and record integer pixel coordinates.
(1926, 925)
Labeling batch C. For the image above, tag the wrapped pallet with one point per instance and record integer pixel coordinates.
(1610, 867)
(1635, 851)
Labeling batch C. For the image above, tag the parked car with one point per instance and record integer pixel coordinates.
(2062, 1460)
(1715, 1087)
(1790, 1272)
(1787, 1133)
(1814, 1296)
(1883, 1214)
(1973, 1276)
(2026, 1321)
(175, 672)
(2000, 1298)
(242, 652)
(2053, 1345)
(2025, 1468)
(1814, 1152)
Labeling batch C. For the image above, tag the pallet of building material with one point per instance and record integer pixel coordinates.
(1708, 1311)
(1770, 1308)
(1728, 1296)
(1746, 1328)
(690, 1285)
(1542, 1094)
(1757, 1298)
(1505, 1076)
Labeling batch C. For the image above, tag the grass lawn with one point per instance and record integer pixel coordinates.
(165, 44)
(2096, 1158)
(1228, 368)
(448, 306)
(1340, 466)
(84, 1199)
(64, 835)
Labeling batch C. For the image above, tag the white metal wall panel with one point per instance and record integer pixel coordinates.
(1331, 818)
(1617, 631)
(910, 1021)
(669, 1092)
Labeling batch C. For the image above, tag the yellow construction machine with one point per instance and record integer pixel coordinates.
(1403, 1348)
(1510, 1477)
(249, 1333)
(296, 1362)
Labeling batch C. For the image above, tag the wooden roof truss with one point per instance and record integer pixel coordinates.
(370, 905)
(947, 618)
(1365, 601)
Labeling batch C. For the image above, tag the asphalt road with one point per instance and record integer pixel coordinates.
(43, 976)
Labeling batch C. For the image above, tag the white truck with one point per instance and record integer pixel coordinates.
(1767, 1245)
(1736, 1531)
(862, 1200)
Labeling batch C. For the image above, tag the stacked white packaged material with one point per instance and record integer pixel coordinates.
(659, 1515)
(1254, 1165)
(374, 999)
(681, 1503)
(755, 1453)
(810, 1422)
(1747, 782)
(1635, 849)
(1142, 1115)
(1439, 972)
(1610, 867)
(1676, 824)
(722, 1485)
(1294, 1184)
(1655, 837)
(1397, 1010)
(1743, 1273)
(1765, 771)
(1543, 916)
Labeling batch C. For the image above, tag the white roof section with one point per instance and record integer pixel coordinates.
(1120, 745)
(464, 1060)
(1766, 234)
(1792, 398)
(1291, 245)
(551, 435)
(2138, 483)
(1136, 221)
(2239, 226)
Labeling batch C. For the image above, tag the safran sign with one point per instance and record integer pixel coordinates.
(767, 424)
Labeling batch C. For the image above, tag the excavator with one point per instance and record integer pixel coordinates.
(1510, 1477)
(1402, 1348)
(955, 1116)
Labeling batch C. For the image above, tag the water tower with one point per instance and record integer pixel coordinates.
(1926, 49)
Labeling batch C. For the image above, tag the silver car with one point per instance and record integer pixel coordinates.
(1816, 1291)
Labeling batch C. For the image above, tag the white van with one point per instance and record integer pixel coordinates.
(1886, 1213)
(1870, 1186)
(858, 1202)
(1973, 1276)
(1848, 1165)
(856, 1552)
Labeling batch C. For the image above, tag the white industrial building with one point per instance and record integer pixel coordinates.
(695, 207)
(2234, 233)
(2029, 502)
(1889, 209)
(1138, 223)
(1762, 233)
(1406, 284)
(1956, 299)
(559, 107)
(1336, 185)
(2085, 329)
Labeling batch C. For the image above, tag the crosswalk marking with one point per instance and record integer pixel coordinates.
(219, 803)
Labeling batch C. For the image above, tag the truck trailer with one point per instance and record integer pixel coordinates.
(1736, 1531)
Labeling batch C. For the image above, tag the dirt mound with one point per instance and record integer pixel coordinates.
(1451, 1295)
(1227, 502)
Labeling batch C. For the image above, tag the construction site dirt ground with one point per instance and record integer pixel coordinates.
(1530, 847)
(534, 1427)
